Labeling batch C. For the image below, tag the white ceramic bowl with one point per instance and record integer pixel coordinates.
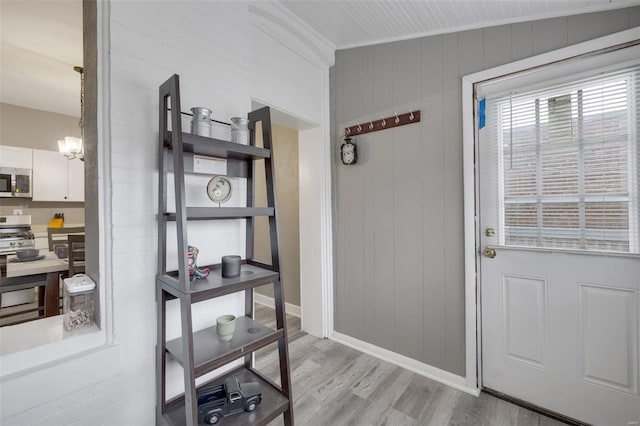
(27, 253)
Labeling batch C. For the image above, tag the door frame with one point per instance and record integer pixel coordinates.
(473, 326)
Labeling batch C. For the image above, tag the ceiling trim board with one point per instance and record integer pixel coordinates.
(492, 23)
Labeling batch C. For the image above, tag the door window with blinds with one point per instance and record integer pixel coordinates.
(566, 158)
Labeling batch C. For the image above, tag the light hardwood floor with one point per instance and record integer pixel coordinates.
(336, 385)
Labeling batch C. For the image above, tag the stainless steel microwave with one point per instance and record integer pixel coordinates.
(15, 182)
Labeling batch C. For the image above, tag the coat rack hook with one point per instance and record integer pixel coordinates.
(392, 120)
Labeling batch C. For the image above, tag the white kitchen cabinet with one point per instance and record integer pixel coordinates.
(56, 178)
(76, 180)
(50, 176)
(15, 157)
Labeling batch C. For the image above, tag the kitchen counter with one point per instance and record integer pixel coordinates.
(45, 273)
(50, 263)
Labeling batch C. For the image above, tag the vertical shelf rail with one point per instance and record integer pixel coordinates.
(170, 90)
(263, 115)
(161, 324)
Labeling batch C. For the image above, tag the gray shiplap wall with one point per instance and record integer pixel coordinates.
(399, 211)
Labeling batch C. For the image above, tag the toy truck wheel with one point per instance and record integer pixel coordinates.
(251, 406)
(212, 418)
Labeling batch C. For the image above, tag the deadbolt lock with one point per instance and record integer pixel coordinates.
(490, 232)
(490, 253)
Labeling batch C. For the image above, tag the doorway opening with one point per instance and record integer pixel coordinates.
(301, 242)
(285, 157)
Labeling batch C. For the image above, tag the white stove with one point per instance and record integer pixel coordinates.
(15, 233)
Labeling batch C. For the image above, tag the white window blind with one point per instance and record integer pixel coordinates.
(567, 158)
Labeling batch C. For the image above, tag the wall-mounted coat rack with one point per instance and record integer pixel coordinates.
(383, 124)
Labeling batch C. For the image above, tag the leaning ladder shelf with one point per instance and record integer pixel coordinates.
(200, 352)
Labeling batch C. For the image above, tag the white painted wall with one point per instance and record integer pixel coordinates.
(224, 59)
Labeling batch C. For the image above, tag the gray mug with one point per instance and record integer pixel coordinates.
(231, 266)
(225, 327)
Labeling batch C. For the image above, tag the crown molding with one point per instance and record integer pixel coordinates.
(283, 25)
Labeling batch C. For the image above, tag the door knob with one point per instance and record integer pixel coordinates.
(490, 253)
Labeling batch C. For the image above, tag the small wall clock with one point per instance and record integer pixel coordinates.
(348, 152)
(219, 189)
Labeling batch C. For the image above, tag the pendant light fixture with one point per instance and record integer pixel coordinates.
(72, 147)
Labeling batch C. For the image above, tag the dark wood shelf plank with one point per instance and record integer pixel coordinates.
(209, 353)
(207, 213)
(219, 148)
(273, 403)
(214, 285)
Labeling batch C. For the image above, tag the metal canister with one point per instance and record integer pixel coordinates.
(201, 121)
(240, 130)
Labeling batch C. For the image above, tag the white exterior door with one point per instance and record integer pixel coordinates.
(559, 265)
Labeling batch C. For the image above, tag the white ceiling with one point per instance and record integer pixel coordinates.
(40, 43)
(363, 22)
(41, 40)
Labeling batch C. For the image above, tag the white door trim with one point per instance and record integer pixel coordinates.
(315, 243)
(472, 307)
(326, 218)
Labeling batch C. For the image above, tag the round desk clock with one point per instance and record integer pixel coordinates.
(219, 189)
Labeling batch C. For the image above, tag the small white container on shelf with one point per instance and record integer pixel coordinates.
(240, 130)
(201, 121)
(79, 304)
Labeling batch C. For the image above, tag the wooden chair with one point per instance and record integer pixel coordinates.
(76, 254)
(59, 235)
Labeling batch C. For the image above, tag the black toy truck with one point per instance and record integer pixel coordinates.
(230, 398)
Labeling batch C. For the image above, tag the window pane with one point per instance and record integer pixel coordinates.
(568, 168)
(561, 215)
(607, 215)
(560, 169)
(521, 224)
(520, 173)
(605, 167)
(607, 226)
(560, 241)
(561, 225)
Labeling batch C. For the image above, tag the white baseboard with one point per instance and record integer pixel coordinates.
(270, 302)
(442, 376)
